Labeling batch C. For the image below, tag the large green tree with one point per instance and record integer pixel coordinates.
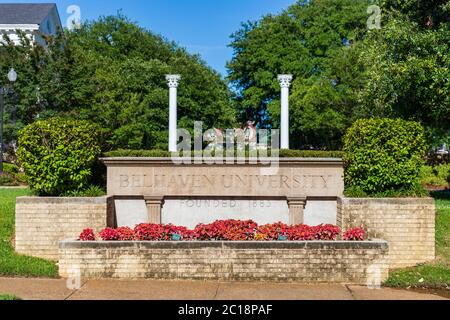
(429, 13)
(307, 40)
(344, 71)
(407, 67)
(112, 72)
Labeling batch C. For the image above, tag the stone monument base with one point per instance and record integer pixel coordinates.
(359, 263)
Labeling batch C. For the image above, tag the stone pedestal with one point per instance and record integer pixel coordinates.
(154, 208)
(297, 210)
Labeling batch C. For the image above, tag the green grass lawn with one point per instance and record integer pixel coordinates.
(433, 275)
(12, 264)
(8, 297)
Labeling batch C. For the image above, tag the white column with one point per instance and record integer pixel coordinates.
(285, 83)
(173, 81)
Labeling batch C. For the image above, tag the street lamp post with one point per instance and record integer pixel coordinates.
(12, 77)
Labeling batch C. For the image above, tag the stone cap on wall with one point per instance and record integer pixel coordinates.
(389, 201)
(226, 161)
(256, 245)
(62, 200)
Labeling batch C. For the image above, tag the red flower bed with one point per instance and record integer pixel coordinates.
(225, 230)
(169, 231)
(326, 232)
(87, 235)
(272, 232)
(148, 232)
(109, 234)
(301, 233)
(126, 234)
(355, 234)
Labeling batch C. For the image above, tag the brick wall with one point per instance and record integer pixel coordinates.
(407, 224)
(304, 262)
(42, 222)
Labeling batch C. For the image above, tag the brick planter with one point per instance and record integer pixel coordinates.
(408, 224)
(303, 262)
(41, 222)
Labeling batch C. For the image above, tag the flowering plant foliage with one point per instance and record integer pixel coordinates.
(326, 232)
(355, 234)
(225, 230)
(126, 234)
(169, 231)
(272, 232)
(109, 234)
(301, 233)
(149, 232)
(87, 235)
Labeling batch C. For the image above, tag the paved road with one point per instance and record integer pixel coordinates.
(45, 289)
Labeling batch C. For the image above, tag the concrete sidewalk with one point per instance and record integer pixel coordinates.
(45, 289)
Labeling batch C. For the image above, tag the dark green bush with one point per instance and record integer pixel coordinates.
(58, 154)
(283, 154)
(90, 192)
(7, 180)
(10, 168)
(384, 156)
(16, 177)
(435, 176)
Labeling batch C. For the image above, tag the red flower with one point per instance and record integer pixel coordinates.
(109, 234)
(326, 232)
(149, 232)
(226, 230)
(170, 230)
(272, 232)
(301, 233)
(126, 234)
(355, 234)
(87, 235)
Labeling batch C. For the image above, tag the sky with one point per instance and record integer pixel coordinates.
(201, 26)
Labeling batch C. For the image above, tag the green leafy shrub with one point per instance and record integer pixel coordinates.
(384, 156)
(15, 176)
(443, 172)
(310, 154)
(415, 191)
(90, 192)
(8, 297)
(7, 180)
(435, 176)
(282, 153)
(57, 154)
(10, 168)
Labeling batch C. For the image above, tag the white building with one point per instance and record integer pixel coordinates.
(34, 19)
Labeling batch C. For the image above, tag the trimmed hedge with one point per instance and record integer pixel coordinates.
(11, 176)
(384, 156)
(438, 176)
(167, 154)
(58, 154)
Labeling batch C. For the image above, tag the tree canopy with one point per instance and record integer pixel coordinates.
(407, 68)
(112, 72)
(304, 40)
(344, 71)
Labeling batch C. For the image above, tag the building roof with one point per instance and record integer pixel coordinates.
(24, 13)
